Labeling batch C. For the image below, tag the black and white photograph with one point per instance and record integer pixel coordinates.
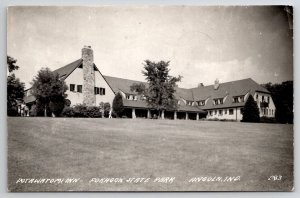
(150, 98)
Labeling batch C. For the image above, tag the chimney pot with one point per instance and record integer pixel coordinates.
(217, 84)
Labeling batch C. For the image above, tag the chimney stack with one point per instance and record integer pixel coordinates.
(217, 84)
(200, 85)
(89, 97)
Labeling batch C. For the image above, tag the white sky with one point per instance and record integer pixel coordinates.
(202, 43)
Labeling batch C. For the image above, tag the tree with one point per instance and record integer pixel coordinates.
(161, 86)
(282, 95)
(117, 105)
(15, 91)
(251, 111)
(49, 91)
(11, 64)
(15, 88)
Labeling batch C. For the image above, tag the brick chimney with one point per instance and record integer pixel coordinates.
(89, 97)
(217, 84)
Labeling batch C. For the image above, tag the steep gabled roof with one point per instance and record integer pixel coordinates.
(228, 90)
(65, 71)
(234, 88)
(186, 94)
(121, 84)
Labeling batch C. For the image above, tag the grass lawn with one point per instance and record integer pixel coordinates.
(124, 148)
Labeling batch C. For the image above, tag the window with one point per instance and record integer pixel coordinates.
(72, 87)
(216, 112)
(79, 88)
(221, 112)
(134, 97)
(242, 98)
(211, 113)
(221, 100)
(225, 111)
(235, 99)
(102, 91)
(256, 96)
(127, 97)
(230, 111)
(130, 97)
(189, 103)
(201, 103)
(218, 101)
(97, 90)
(263, 98)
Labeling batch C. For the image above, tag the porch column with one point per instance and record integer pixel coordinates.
(163, 114)
(186, 115)
(133, 113)
(197, 116)
(148, 114)
(175, 115)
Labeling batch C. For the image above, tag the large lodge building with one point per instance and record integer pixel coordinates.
(221, 100)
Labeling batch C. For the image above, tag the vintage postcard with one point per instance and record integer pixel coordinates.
(150, 98)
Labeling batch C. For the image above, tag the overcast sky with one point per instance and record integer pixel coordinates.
(201, 43)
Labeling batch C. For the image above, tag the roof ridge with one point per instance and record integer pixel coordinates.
(80, 59)
(225, 82)
(124, 78)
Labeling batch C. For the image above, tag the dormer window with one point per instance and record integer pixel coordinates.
(218, 101)
(189, 103)
(235, 99)
(238, 99)
(201, 103)
(131, 97)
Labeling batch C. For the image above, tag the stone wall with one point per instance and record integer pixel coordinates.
(89, 97)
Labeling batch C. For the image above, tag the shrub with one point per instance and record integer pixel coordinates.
(117, 105)
(93, 112)
(251, 111)
(68, 112)
(82, 111)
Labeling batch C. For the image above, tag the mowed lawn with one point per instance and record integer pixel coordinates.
(123, 148)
